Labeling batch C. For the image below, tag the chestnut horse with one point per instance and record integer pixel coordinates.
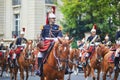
(2, 61)
(54, 68)
(90, 66)
(25, 60)
(105, 53)
(74, 61)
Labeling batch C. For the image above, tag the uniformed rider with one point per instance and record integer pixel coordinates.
(19, 42)
(107, 41)
(49, 31)
(117, 53)
(93, 40)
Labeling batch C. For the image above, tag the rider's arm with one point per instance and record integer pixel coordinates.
(60, 32)
(42, 33)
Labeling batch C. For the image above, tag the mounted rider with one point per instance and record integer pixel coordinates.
(117, 53)
(107, 41)
(93, 40)
(2, 49)
(20, 44)
(49, 34)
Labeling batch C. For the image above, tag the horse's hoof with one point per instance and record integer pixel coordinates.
(0, 75)
(93, 78)
(12, 78)
(86, 78)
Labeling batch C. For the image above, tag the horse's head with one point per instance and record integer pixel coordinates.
(74, 54)
(102, 50)
(61, 52)
(28, 48)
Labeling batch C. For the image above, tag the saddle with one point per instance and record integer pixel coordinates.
(2, 53)
(19, 49)
(91, 50)
(48, 45)
(11, 52)
(112, 57)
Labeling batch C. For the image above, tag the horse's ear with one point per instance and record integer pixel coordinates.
(71, 40)
(99, 45)
(60, 40)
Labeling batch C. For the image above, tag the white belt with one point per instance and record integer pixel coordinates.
(92, 44)
(3, 51)
(55, 39)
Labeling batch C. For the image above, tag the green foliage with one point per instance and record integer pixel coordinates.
(80, 15)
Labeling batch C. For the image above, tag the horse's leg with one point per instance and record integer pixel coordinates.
(1, 72)
(21, 73)
(27, 74)
(88, 70)
(98, 74)
(92, 72)
(16, 71)
(7, 68)
(104, 74)
(3, 69)
(61, 79)
(69, 76)
(41, 78)
(116, 75)
(85, 74)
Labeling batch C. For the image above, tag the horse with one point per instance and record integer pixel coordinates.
(106, 54)
(74, 61)
(55, 65)
(3, 60)
(25, 60)
(89, 65)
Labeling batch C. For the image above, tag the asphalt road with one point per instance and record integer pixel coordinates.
(80, 76)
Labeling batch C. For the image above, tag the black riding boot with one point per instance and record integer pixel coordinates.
(116, 61)
(14, 62)
(40, 67)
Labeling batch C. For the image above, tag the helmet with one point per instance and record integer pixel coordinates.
(94, 28)
(106, 37)
(83, 40)
(2, 42)
(22, 32)
(51, 15)
(118, 41)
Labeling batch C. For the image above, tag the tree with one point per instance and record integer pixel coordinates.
(80, 15)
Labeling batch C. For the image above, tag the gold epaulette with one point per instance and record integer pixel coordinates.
(41, 27)
(60, 28)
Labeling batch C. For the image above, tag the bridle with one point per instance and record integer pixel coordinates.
(59, 60)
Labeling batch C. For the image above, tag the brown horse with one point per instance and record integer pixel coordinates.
(3, 60)
(54, 68)
(105, 53)
(89, 67)
(74, 61)
(25, 60)
(86, 67)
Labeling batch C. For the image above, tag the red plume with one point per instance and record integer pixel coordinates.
(47, 21)
(23, 29)
(94, 26)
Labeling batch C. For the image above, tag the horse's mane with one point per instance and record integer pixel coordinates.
(103, 49)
